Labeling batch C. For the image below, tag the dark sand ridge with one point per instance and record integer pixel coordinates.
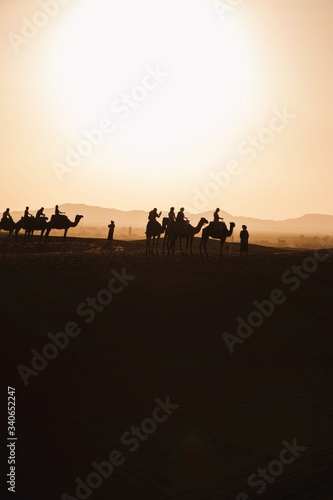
(163, 336)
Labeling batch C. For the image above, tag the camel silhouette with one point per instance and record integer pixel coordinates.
(8, 225)
(153, 232)
(61, 222)
(221, 233)
(30, 225)
(186, 231)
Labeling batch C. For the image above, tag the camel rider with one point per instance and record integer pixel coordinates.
(153, 215)
(6, 216)
(57, 212)
(40, 214)
(172, 216)
(26, 214)
(217, 218)
(181, 219)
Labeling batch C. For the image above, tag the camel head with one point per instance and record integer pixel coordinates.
(202, 221)
(232, 225)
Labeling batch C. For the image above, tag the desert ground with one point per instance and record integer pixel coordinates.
(162, 335)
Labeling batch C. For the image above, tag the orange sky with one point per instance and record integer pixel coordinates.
(194, 109)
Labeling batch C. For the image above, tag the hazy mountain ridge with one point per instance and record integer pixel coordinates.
(95, 216)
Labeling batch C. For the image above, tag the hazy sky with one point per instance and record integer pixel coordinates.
(141, 104)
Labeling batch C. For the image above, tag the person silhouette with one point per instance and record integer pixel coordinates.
(153, 215)
(57, 211)
(111, 227)
(26, 213)
(217, 218)
(40, 213)
(181, 219)
(244, 237)
(172, 216)
(6, 216)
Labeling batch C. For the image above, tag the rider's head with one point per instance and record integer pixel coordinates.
(27, 208)
(172, 209)
(217, 210)
(182, 209)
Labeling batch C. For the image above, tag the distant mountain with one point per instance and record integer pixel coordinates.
(100, 217)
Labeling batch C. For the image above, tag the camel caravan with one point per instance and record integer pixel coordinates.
(40, 222)
(173, 227)
(178, 227)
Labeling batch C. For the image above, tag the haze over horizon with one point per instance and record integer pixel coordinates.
(132, 105)
(164, 211)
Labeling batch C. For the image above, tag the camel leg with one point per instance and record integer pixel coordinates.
(65, 233)
(169, 242)
(186, 247)
(221, 248)
(180, 243)
(205, 247)
(168, 246)
(203, 243)
(171, 245)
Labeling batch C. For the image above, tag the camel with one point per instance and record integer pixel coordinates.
(184, 230)
(31, 225)
(61, 222)
(221, 233)
(153, 231)
(7, 225)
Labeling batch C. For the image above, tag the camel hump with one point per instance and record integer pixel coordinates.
(59, 218)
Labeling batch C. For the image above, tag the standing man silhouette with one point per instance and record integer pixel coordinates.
(244, 237)
(111, 230)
